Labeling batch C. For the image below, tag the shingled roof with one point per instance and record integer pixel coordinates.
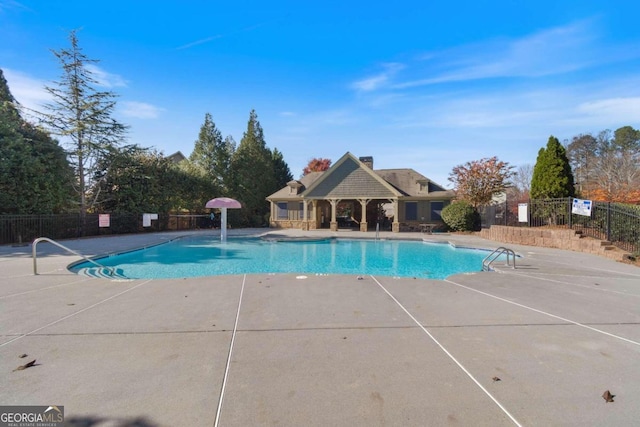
(349, 178)
(287, 193)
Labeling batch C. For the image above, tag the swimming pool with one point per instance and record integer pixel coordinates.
(206, 256)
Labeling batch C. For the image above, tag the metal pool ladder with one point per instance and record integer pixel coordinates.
(46, 239)
(489, 259)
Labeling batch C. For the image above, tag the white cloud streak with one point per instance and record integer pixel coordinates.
(379, 80)
(141, 110)
(28, 91)
(104, 78)
(552, 51)
(198, 42)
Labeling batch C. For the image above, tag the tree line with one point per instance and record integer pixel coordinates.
(94, 170)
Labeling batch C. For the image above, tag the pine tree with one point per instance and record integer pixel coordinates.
(82, 115)
(280, 169)
(205, 153)
(552, 176)
(253, 174)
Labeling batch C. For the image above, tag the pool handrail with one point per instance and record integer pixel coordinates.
(46, 239)
(489, 259)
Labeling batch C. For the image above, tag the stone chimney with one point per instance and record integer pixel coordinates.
(367, 160)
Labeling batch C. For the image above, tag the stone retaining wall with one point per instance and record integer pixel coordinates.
(562, 239)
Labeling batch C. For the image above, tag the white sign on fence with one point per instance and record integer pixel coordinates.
(581, 207)
(523, 212)
(104, 220)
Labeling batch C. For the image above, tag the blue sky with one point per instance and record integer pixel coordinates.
(420, 84)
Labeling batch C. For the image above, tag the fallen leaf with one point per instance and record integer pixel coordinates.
(26, 365)
(608, 396)
(22, 356)
(496, 379)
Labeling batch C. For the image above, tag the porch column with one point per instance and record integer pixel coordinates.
(305, 219)
(313, 224)
(272, 216)
(395, 227)
(334, 220)
(363, 220)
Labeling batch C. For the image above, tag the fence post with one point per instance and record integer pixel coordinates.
(570, 214)
(609, 221)
(505, 213)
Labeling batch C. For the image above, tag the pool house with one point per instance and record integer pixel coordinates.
(352, 194)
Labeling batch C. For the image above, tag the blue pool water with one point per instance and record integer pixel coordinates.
(207, 256)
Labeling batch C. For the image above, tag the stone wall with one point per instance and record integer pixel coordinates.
(561, 238)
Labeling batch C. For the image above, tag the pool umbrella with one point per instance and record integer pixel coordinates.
(223, 203)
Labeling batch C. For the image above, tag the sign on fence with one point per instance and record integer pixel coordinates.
(581, 207)
(104, 220)
(523, 215)
(146, 219)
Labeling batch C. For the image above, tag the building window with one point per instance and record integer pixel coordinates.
(282, 210)
(436, 211)
(411, 211)
(301, 211)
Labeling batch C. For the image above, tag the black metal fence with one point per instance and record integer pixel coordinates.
(18, 229)
(614, 222)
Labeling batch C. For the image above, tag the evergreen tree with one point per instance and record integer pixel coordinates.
(35, 176)
(552, 176)
(82, 115)
(209, 154)
(280, 169)
(253, 174)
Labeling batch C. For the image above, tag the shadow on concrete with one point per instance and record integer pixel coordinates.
(96, 421)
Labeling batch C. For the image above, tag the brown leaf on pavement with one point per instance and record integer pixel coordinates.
(26, 365)
(608, 396)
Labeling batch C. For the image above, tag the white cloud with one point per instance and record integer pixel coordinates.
(141, 110)
(27, 90)
(199, 42)
(616, 109)
(379, 80)
(7, 5)
(548, 52)
(103, 78)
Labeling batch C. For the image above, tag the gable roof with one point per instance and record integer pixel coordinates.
(304, 182)
(350, 178)
(176, 157)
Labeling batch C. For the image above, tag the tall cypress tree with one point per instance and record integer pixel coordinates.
(253, 174)
(35, 176)
(552, 176)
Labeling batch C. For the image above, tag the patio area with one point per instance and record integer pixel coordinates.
(534, 346)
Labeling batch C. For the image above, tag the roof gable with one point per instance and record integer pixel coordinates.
(350, 178)
(286, 193)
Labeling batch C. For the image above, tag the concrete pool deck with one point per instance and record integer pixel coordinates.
(271, 349)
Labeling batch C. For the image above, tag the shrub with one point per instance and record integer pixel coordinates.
(461, 216)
